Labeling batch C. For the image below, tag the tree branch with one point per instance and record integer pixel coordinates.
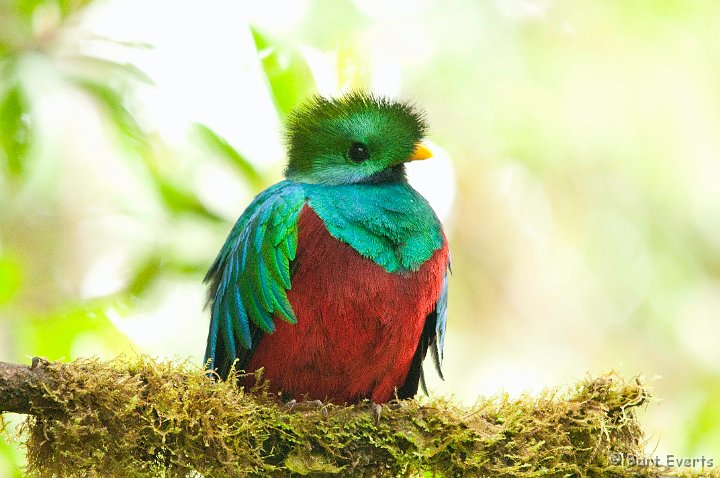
(22, 385)
(140, 417)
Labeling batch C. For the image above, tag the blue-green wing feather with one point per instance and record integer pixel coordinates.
(438, 344)
(251, 275)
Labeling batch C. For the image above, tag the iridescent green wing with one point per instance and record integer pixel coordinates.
(251, 275)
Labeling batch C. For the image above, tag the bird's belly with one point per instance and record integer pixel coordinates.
(357, 325)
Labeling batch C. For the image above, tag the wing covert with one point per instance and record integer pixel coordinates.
(250, 277)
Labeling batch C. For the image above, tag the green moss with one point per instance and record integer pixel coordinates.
(143, 418)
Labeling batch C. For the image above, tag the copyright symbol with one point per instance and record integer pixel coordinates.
(616, 458)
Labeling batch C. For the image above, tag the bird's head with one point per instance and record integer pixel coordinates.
(358, 138)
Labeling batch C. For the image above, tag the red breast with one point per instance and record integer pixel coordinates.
(357, 325)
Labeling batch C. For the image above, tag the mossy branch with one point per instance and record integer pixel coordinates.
(142, 417)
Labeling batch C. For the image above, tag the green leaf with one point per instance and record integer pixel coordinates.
(27, 7)
(54, 335)
(11, 455)
(145, 275)
(179, 199)
(104, 68)
(113, 103)
(15, 134)
(288, 73)
(156, 265)
(222, 147)
(10, 279)
(68, 7)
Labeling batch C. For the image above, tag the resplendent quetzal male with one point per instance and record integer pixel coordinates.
(335, 279)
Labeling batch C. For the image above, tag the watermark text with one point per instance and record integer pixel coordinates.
(668, 461)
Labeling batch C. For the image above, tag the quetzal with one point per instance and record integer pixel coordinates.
(335, 279)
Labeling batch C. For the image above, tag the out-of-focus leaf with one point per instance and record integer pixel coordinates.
(113, 102)
(145, 276)
(126, 43)
(15, 30)
(288, 73)
(705, 425)
(104, 68)
(11, 456)
(15, 134)
(176, 195)
(10, 279)
(154, 266)
(181, 200)
(221, 146)
(26, 7)
(177, 199)
(185, 268)
(53, 336)
(68, 7)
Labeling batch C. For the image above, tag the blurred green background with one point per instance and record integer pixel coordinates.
(577, 171)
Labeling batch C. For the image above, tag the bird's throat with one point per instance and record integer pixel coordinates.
(393, 174)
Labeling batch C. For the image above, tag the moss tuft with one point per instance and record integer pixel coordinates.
(140, 417)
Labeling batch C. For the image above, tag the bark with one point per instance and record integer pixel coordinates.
(22, 387)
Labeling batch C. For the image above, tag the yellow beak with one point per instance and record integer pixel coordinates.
(421, 152)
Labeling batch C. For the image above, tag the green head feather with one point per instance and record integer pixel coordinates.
(358, 138)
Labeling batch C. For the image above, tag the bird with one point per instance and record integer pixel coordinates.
(334, 281)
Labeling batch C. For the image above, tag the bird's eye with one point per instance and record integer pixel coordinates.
(358, 152)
